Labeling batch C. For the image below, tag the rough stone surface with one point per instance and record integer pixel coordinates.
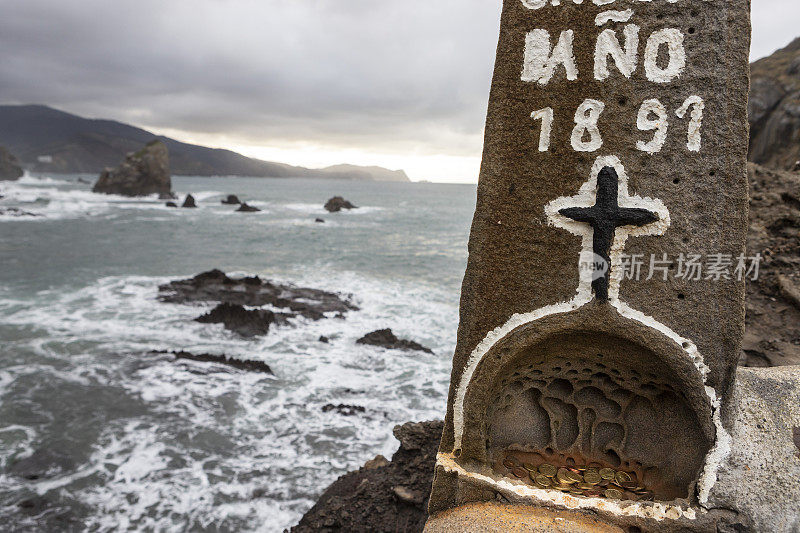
(590, 156)
(772, 335)
(775, 109)
(385, 338)
(381, 497)
(9, 166)
(504, 518)
(142, 173)
(337, 203)
(760, 477)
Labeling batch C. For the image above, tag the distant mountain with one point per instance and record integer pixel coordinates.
(48, 140)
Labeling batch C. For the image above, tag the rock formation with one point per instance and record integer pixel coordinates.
(245, 208)
(9, 166)
(247, 323)
(239, 364)
(189, 202)
(774, 109)
(382, 496)
(142, 173)
(232, 199)
(337, 203)
(385, 338)
(773, 310)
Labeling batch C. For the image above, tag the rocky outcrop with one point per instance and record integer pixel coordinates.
(16, 212)
(232, 199)
(142, 173)
(189, 202)
(245, 208)
(773, 311)
(245, 322)
(337, 203)
(216, 286)
(239, 364)
(385, 338)
(9, 166)
(381, 496)
(774, 109)
(344, 409)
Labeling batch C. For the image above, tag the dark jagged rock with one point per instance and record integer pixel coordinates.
(382, 497)
(337, 203)
(239, 364)
(142, 173)
(245, 322)
(320, 221)
(774, 109)
(245, 208)
(9, 166)
(324, 340)
(773, 317)
(215, 286)
(344, 409)
(189, 202)
(232, 199)
(44, 463)
(171, 204)
(16, 212)
(387, 339)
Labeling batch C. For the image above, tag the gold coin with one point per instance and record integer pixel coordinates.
(508, 463)
(520, 472)
(563, 477)
(548, 470)
(543, 480)
(607, 473)
(563, 487)
(613, 494)
(576, 492)
(623, 477)
(530, 467)
(585, 486)
(592, 476)
(575, 477)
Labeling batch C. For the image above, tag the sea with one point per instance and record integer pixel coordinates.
(133, 441)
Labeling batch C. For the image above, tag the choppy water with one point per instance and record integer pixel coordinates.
(145, 443)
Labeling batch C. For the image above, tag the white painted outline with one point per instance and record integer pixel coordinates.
(586, 197)
(613, 16)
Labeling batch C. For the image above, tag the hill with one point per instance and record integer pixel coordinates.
(48, 140)
(775, 109)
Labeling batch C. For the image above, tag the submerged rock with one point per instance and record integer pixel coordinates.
(189, 202)
(387, 339)
(216, 286)
(239, 364)
(320, 221)
(9, 166)
(244, 208)
(337, 203)
(142, 173)
(171, 204)
(245, 322)
(16, 212)
(344, 409)
(232, 199)
(380, 496)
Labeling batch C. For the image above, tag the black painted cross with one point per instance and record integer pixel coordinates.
(605, 216)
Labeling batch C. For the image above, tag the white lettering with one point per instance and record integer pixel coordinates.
(540, 63)
(673, 38)
(586, 118)
(608, 45)
(546, 116)
(660, 124)
(698, 106)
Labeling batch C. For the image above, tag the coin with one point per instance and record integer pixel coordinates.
(530, 467)
(607, 473)
(543, 480)
(548, 470)
(592, 493)
(592, 476)
(586, 486)
(623, 477)
(563, 477)
(519, 472)
(613, 494)
(576, 492)
(508, 463)
(575, 477)
(563, 487)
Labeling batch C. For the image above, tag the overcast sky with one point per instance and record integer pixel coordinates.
(402, 84)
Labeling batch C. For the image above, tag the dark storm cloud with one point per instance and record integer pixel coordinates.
(340, 71)
(413, 74)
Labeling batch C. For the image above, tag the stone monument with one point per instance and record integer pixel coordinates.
(602, 308)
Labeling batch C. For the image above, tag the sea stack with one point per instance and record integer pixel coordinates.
(10, 170)
(142, 173)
